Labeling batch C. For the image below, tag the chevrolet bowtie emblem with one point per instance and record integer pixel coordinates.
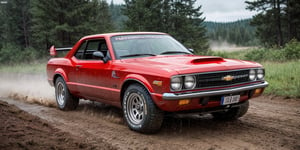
(228, 78)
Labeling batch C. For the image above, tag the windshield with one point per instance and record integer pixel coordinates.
(127, 46)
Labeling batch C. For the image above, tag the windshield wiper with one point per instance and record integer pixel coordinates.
(133, 55)
(174, 52)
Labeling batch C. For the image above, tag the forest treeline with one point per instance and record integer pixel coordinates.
(239, 33)
(38, 24)
(29, 27)
(277, 21)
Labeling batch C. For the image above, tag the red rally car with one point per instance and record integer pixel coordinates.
(148, 74)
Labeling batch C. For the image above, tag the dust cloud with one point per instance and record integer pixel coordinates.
(220, 45)
(32, 88)
(225, 46)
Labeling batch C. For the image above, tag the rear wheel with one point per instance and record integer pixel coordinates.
(140, 113)
(233, 113)
(64, 99)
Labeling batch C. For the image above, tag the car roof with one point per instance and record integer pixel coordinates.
(122, 33)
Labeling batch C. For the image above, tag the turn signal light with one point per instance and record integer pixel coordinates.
(184, 102)
(258, 92)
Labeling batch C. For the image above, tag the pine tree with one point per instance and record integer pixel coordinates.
(293, 20)
(117, 16)
(143, 15)
(277, 21)
(104, 21)
(268, 20)
(187, 24)
(15, 22)
(66, 21)
(176, 17)
(2, 24)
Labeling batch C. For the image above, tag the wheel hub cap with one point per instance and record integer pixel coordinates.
(135, 108)
(60, 93)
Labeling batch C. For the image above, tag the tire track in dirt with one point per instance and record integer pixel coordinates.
(269, 124)
(20, 130)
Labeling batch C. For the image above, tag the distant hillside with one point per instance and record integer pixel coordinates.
(239, 33)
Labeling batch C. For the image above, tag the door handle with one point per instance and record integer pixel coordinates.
(77, 67)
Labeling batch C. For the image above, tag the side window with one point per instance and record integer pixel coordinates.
(87, 49)
(92, 46)
(80, 51)
(103, 48)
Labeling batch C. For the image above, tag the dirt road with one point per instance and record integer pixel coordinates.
(20, 130)
(271, 123)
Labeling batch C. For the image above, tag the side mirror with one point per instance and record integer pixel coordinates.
(191, 50)
(99, 55)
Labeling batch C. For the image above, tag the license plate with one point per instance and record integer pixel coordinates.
(225, 100)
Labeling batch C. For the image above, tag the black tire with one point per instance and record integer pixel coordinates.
(140, 113)
(64, 99)
(233, 113)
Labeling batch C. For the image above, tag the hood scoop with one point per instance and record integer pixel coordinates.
(207, 59)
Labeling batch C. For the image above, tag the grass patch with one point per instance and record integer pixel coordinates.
(283, 78)
(36, 67)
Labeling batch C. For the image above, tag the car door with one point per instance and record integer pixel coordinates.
(93, 75)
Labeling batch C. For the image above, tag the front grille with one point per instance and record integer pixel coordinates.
(216, 79)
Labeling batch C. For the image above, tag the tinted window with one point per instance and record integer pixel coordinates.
(80, 51)
(87, 49)
(93, 45)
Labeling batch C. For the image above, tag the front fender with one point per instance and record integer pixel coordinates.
(142, 80)
(156, 97)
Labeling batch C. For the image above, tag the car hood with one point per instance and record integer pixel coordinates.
(186, 64)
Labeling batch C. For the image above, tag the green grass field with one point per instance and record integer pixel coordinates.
(284, 78)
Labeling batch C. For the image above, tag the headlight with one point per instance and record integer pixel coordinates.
(260, 74)
(176, 83)
(189, 82)
(252, 74)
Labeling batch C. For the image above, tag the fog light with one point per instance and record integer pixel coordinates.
(258, 92)
(184, 102)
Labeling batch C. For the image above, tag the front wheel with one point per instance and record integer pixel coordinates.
(64, 99)
(233, 113)
(140, 113)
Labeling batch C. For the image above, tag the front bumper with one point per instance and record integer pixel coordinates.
(177, 96)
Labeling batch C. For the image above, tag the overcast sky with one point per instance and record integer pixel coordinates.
(221, 10)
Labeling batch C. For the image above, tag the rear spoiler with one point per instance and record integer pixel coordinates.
(53, 50)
